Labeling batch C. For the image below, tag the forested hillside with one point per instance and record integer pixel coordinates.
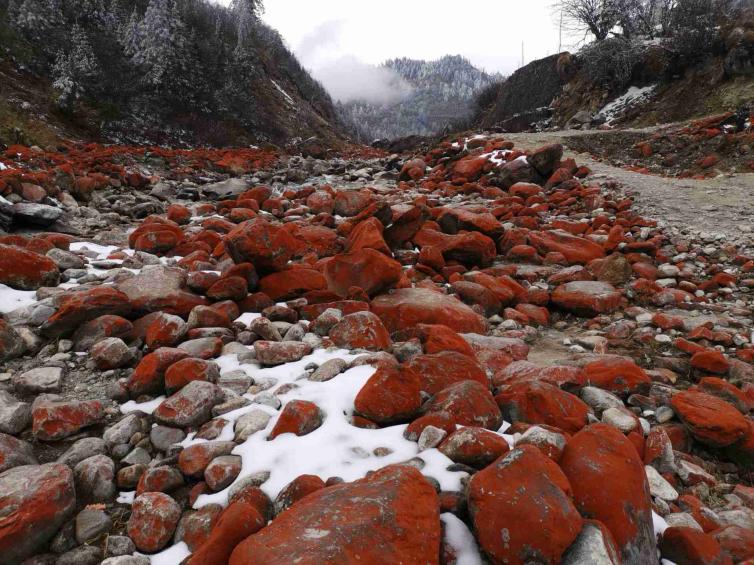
(160, 70)
(441, 94)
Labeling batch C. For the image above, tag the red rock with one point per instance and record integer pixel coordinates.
(367, 269)
(159, 479)
(438, 338)
(405, 308)
(736, 541)
(236, 523)
(440, 370)
(222, 471)
(368, 235)
(297, 489)
(413, 169)
(610, 485)
(391, 516)
(724, 390)
(26, 270)
(54, 418)
(526, 371)
(576, 250)
(228, 288)
(160, 289)
(390, 396)
(291, 283)
(350, 202)
(165, 330)
(298, 417)
(545, 158)
(280, 352)
(154, 517)
(710, 360)
(542, 403)
(266, 246)
(179, 214)
(361, 330)
(616, 374)
(473, 293)
(687, 545)
(149, 375)
(470, 168)
(711, 420)
(189, 407)
(183, 371)
(101, 328)
(195, 527)
(587, 298)
(35, 501)
(469, 403)
(193, 460)
(475, 447)
(517, 498)
(77, 307)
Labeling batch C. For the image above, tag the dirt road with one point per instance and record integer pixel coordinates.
(722, 205)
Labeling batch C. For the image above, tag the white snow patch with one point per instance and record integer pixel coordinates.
(147, 407)
(334, 449)
(126, 497)
(634, 95)
(170, 556)
(2, 166)
(248, 317)
(659, 523)
(284, 93)
(458, 536)
(102, 251)
(12, 299)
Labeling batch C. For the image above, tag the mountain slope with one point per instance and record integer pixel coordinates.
(441, 93)
(165, 71)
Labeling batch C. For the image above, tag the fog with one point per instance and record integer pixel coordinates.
(346, 77)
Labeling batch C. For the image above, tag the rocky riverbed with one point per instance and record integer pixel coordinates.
(472, 355)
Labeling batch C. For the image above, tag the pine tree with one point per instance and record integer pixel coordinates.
(129, 34)
(75, 72)
(161, 46)
(37, 18)
(247, 15)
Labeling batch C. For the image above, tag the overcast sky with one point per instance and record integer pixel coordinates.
(331, 34)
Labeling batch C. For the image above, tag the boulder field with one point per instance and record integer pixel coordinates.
(470, 355)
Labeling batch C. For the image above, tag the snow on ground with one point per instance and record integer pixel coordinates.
(12, 299)
(335, 449)
(2, 166)
(634, 95)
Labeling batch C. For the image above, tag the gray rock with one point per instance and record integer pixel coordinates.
(95, 479)
(431, 437)
(39, 381)
(136, 456)
(162, 437)
(190, 406)
(124, 429)
(36, 214)
(15, 416)
(658, 486)
(683, 519)
(328, 370)
(82, 555)
(591, 547)
(237, 381)
(620, 418)
(226, 189)
(15, 452)
(91, 523)
(65, 259)
(112, 353)
(250, 423)
(127, 560)
(83, 449)
(600, 400)
(118, 545)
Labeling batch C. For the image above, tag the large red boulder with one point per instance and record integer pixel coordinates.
(291, 283)
(149, 375)
(154, 517)
(361, 330)
(391, 395)
(538, 402)
(616, 374)
(35, 501)
(391, 516)
(521, 509)
(26, 270)
(439, 370)
(576, 250)
(160, 289)
(299, 417)
(689, 546)
(237, 522)
(587, 298)
(711, 420)
(77, 307)
(468, 403)
(609, 484)
(367, 269)
(267, 246)
(405, 308)
(54, 418)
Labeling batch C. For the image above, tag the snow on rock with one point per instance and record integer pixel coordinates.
(633, 96)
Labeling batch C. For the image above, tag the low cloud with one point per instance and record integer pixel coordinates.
(345, 77)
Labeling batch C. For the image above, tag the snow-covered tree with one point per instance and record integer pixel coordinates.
(36, 18)
(247, 14)
(163, 51)
(76, 71)
(129, 34)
